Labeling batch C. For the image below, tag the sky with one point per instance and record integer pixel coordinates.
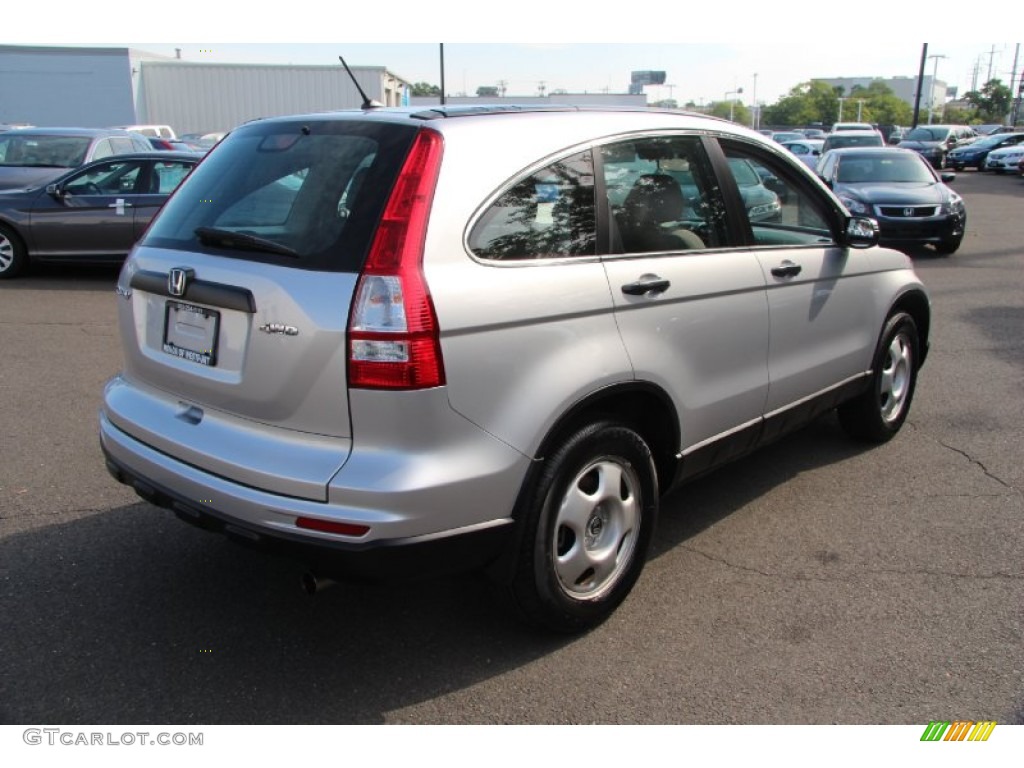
(577, 46)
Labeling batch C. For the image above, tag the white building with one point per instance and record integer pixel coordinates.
(905, 88)
(98, 87)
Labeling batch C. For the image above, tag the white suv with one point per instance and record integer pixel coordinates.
(399, 341)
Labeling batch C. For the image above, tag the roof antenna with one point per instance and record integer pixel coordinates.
(368, 103)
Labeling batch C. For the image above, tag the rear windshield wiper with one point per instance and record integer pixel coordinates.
(226, 238)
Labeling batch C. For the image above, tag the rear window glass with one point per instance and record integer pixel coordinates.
(17, 148)
(304, 194)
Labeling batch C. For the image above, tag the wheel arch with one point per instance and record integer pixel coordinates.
(916, 304)
(643, 406)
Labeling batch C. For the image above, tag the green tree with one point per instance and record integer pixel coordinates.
(425, 89)
(958, 116)
(880, 105)
(806, 103)
(666, 104)
(740, 113)
(992, 101)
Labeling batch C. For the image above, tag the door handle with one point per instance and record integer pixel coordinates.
(787, 269)
(646, 284)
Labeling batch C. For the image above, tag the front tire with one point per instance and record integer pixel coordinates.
(877, 414)
(587, 525)
(13, 257)
(948, 245)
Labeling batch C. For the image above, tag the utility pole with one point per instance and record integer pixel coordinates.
(841, 100)
(1014, 96)
(442, 72)
(920, 85)
(860, 107)
(931, 94)
(991, 56)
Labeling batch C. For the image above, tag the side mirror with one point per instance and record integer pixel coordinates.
(55, 190)
(947, 177)
(861, 232)
(816, 152)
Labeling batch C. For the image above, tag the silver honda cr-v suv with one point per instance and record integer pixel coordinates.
(396, 342)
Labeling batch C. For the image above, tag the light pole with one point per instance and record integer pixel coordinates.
(931, 94)
(860, 106)
(841, 100)
(753, 106)
(732, 104)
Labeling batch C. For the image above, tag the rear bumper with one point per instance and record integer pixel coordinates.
(397, 544)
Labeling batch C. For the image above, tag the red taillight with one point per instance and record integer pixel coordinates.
(326, 526)
(393, 338)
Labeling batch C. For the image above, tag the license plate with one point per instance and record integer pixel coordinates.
(190, 332)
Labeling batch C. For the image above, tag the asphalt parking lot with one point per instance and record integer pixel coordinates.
(817, 581)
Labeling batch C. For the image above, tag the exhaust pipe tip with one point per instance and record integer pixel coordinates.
(312, 583)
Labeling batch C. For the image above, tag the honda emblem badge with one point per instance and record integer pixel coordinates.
(908, 211)
(177, 281)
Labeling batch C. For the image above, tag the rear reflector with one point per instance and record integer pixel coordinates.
(327, 526)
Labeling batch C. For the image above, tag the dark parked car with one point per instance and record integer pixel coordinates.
(973, 155)
(33, 156)
(935, 142)
(852, 138)
(93, 214)
(900, 190)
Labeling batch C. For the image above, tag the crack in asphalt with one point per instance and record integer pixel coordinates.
(1016, 491)
(977, 463)
(868, 571)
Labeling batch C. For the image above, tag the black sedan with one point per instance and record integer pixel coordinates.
(92, 214)
(900, 189)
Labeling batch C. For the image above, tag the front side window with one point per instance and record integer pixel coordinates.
(549, 214)
(662, 195)
(115, 178)
(780, 209)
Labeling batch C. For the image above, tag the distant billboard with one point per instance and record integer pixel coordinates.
(642, 77)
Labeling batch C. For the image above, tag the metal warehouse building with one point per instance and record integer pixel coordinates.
(80, 87)
(96, 87)
(201, 97)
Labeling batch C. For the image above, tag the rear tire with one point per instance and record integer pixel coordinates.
(588, 521)
(877, 414)
(13, 257)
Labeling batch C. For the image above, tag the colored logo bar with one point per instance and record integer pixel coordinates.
(958, 730)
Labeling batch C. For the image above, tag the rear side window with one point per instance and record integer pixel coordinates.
(663, 195)
(303, 194)
(549, 214)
